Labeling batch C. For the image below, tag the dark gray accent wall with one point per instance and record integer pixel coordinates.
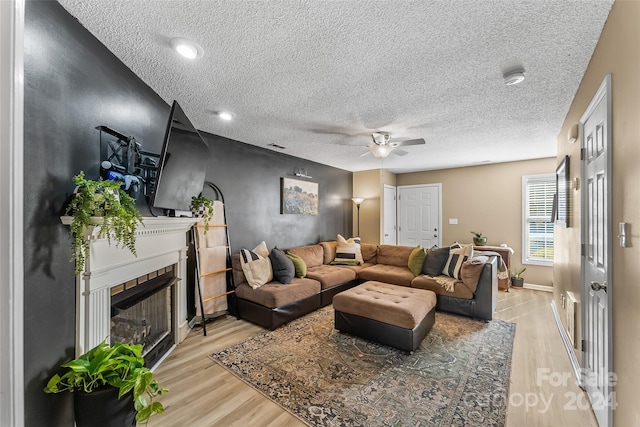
(249, 178)
(73, 84)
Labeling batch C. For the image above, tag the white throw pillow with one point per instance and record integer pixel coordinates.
(456, 257)
(348, 251)
(256, 265)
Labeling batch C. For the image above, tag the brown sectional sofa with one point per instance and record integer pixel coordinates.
(275, 304)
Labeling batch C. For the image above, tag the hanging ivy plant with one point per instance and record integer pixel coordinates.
(201, 206)
(116, 209)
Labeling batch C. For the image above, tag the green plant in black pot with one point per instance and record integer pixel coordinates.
(516, 277)
(117, 369)
(479, 239)
(202, 207)
(116, 209)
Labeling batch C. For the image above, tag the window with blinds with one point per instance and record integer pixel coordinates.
(537, 224)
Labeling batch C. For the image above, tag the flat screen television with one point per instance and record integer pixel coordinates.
(182, 165)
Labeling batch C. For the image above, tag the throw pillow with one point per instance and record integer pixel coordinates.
(348, 251)
(470, 273)
(262, 250)
(299, 265)
(283, 268)
(256, 268)
(436, 259)
(456, 258)
(416, 260)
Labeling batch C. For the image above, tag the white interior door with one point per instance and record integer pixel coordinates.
(390, 207)
(419, 215)
(596, 237)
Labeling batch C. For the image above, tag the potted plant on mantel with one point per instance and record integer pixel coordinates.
(101, 203)
(202, 207)
(479, 239)
(111, 386)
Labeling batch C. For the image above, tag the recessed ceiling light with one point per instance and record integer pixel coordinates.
(513, 77)
(225, 115)
(186, 48)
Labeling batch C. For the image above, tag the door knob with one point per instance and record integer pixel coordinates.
(599, 286)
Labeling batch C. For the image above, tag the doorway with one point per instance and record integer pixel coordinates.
(419, 215)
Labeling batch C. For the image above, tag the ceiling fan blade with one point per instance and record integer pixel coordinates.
(399, 152)
(365, 153)
(408, 142)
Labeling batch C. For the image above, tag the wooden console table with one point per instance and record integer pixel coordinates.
(505, 253)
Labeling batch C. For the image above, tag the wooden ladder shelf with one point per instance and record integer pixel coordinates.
(200, 261)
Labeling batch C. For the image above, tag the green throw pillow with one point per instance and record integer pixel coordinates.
(298, 263)
(416, 260)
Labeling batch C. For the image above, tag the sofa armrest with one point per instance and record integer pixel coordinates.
(486, 295)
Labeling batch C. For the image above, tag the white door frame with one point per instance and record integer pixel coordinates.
(439, 186)
(604, 91)
(11, 212)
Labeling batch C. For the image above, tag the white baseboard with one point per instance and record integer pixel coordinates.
(573, 360)
(538, 287)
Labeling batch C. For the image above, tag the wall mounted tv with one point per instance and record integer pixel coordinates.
(183, 164)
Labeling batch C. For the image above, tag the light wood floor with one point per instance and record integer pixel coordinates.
(204, 394)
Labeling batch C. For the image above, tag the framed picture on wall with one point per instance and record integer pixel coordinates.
(298, 197)
(562, 193)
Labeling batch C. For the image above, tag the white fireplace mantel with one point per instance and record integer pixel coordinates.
(160, 242)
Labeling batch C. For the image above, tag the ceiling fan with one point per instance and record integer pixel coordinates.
(383, 145)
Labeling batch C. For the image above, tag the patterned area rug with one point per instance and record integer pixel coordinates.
(459, 376)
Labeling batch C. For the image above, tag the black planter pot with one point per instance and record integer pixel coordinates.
(102, 408)
(518, 283)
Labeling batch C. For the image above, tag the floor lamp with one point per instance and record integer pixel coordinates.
(358, 201)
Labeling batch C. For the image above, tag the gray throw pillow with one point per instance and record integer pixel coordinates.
(435, 261)
(283, 268)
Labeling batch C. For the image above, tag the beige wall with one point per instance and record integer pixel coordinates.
(618, 54)
(487, 199)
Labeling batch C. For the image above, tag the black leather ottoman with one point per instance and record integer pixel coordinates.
(394, 315)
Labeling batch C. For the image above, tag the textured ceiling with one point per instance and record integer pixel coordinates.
(317, 76)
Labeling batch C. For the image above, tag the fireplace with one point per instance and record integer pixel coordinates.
(106, 292)
(142, 311)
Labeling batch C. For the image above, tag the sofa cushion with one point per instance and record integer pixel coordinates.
(329, 251)
(435, 260)
(282, 266)
(456, 258)
(357, 268)
(429, 283)
(471, 272)
(348, 251)
(369, 252)
(394, 255)
(256, 268)
(331, 275)
(393, 274)
(238, 274)
(298, 264)
(312, 255)
(416, 260)
(275, 294)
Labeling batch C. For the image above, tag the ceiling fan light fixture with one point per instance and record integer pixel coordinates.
(513, 77)
(186, 48)
(381, 151)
